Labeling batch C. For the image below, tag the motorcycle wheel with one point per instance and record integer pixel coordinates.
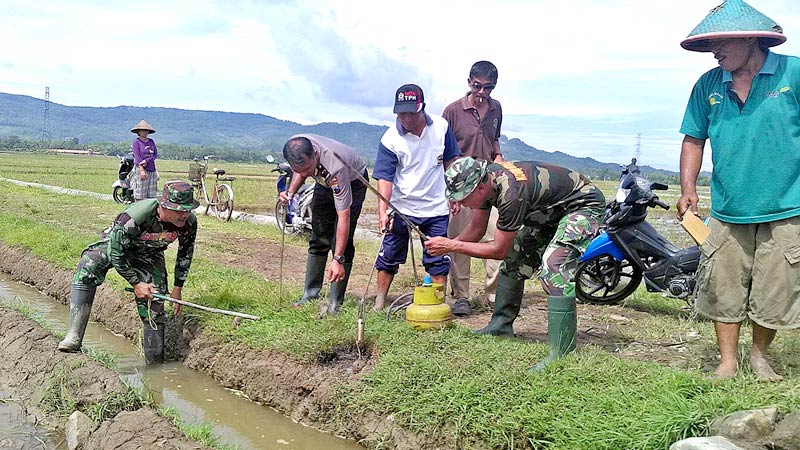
(119, 197)
(605, 280)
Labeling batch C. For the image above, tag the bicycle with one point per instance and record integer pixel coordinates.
(220, 205)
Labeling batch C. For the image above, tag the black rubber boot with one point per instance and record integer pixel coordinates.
(562, 326)
(315, 272)
(81, 298)
(153, 340)
(336, 297)
(506, 307)
(461, 307)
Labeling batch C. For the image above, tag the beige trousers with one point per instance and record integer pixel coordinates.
(460, 264)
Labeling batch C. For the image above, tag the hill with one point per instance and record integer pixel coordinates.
(23, 116)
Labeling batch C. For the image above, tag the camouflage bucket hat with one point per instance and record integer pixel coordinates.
(734, 19)
(178, 196)
(463, 176)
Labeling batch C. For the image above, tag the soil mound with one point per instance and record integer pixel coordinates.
(53, 384)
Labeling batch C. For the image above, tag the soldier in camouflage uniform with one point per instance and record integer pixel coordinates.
(134, 245)
(547, 217)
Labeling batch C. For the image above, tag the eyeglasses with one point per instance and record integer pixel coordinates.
(479, 86)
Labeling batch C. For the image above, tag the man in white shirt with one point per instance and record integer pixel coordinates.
(410, 173)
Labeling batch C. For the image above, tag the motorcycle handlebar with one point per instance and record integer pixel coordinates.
(660, 203)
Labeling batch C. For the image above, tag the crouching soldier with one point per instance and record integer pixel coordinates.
(547, 217)
(134, 245)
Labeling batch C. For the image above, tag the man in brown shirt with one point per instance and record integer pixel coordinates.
(475, 120)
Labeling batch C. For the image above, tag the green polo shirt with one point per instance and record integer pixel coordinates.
(755, 146)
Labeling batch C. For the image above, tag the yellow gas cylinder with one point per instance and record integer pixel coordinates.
(429, 311)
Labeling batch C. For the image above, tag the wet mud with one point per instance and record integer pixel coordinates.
(45, 380)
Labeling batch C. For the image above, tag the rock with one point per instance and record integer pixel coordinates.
(787, 433)
(79, 427)
(705, 443)
(751, 425)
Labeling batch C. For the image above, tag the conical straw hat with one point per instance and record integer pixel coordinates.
(142, 125)
(734, 19)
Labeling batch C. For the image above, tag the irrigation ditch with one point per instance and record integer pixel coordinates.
(47, 385)
(303, 392)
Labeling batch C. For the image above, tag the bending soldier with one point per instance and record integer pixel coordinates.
(547, 217)
(134, 245)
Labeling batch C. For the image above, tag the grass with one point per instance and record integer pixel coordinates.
(202, 432)
(476, 388)
(59, 397)
(254, 187)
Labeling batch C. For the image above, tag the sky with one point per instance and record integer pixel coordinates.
(585, 77)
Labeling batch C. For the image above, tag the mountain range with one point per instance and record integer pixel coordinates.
(24, 117)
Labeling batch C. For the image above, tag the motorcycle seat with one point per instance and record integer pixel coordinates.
(219, 171)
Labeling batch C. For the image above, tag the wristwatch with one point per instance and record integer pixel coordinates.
(338, 259)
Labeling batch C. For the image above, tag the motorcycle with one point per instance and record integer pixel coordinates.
(121, 188)
(629, 249)
(294, 218)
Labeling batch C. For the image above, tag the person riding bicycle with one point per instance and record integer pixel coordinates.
(134, 245)
(335, 208)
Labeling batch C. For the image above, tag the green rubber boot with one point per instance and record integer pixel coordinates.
(81, 298)
(506, 307)
(336, 297)
(562, 326)
(315, 272)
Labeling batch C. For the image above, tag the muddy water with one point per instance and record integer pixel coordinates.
(237, 420)
(18, 429)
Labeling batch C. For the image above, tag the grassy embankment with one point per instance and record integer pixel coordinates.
(58, 399)
(451, 381)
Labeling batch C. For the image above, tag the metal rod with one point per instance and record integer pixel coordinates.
(360, 320)
(384, 199)
(204, 308)
(283, 244)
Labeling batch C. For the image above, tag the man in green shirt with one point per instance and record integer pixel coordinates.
(749, 111)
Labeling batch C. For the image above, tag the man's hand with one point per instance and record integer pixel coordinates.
(455, 208)
(439, 245)
(385, 222)
(144, 290)
(285, 197)
(687, 202)
(335, 272)
(176, 294)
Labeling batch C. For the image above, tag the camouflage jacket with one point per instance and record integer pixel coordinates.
(138, 233)
(535, 193)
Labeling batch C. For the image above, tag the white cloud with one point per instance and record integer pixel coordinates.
(612, 66)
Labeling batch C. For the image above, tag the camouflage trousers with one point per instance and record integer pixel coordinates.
(553, 250)
(95, 264)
